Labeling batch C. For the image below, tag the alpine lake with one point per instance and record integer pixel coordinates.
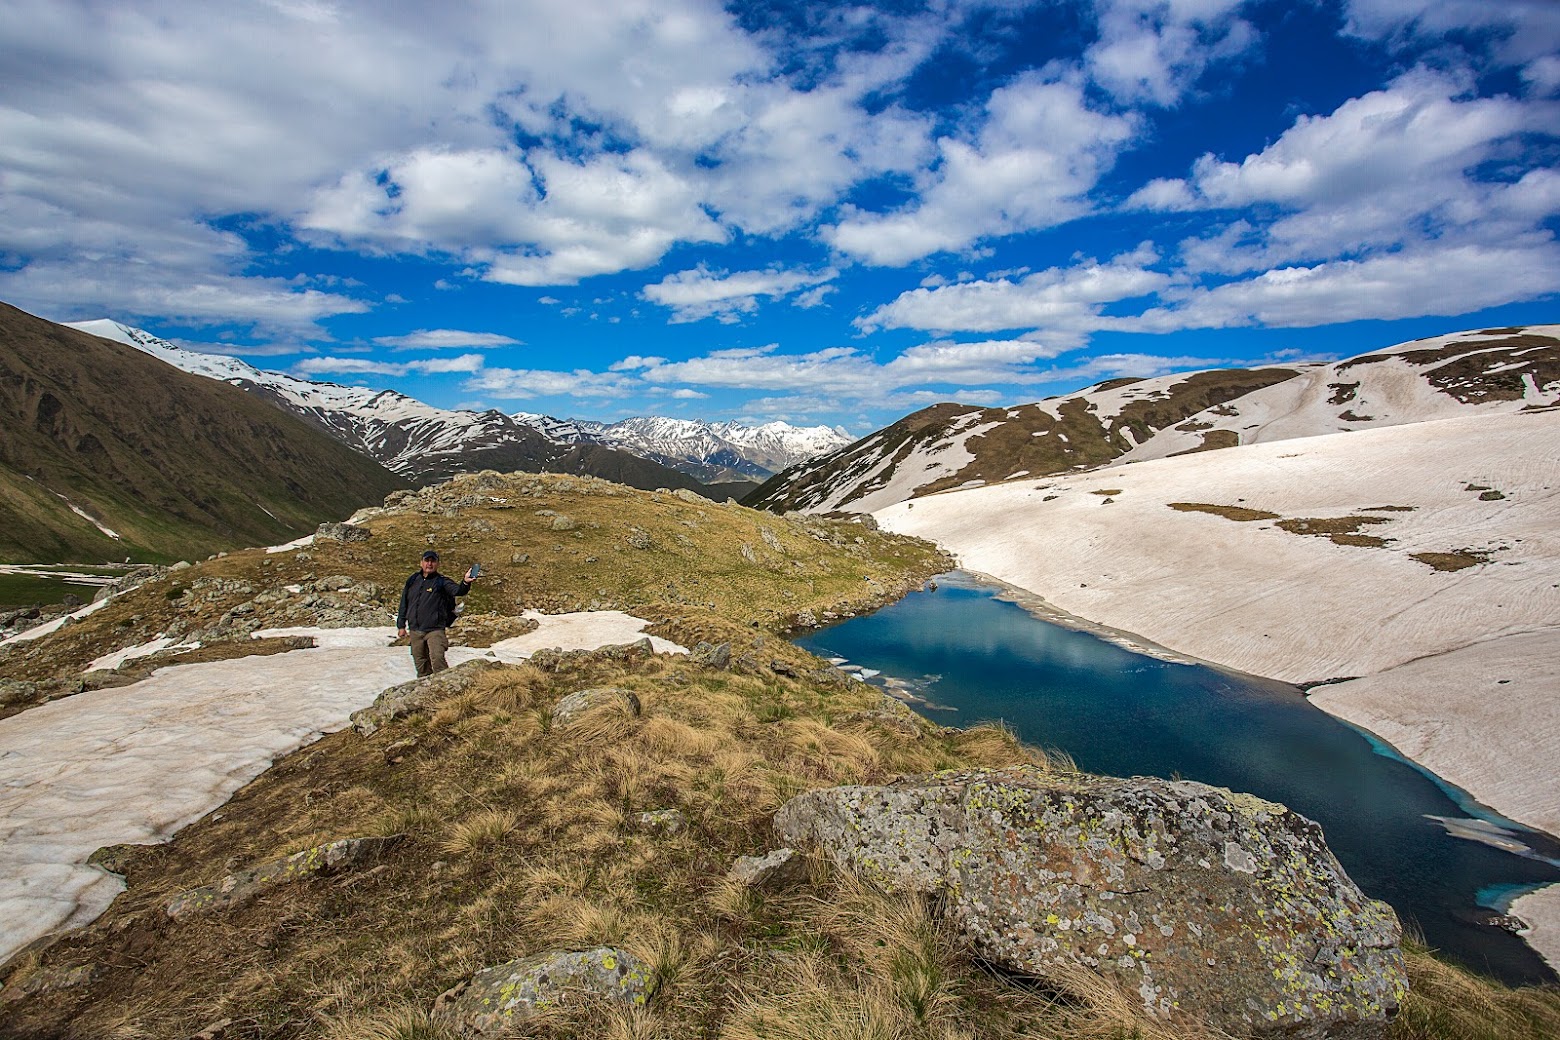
(964, 652)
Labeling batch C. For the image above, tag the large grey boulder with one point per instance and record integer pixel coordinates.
(246, 884)
(1206, 903)
(497, 1000)
(397, 702)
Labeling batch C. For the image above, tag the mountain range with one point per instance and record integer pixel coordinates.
(427, 444)
(711, 452)
(1120, 421)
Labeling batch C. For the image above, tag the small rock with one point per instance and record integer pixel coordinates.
(337, 532)
(669, 821)
(781, 668)
(711, 655)
(17, 691)
(114, 858)
(772, 871)
(245, 885)
(519, 557)
(563, 523)
(496, 1000)
(577, 704)
(48, 980)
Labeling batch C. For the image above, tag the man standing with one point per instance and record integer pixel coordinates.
(427, 609)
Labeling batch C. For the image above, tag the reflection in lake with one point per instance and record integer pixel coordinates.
(960, 655)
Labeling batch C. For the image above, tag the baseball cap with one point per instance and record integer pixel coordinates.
(430, 555)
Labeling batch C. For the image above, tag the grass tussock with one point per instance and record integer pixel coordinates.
(1447, 1003)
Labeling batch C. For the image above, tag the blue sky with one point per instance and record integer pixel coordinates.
(806, 211)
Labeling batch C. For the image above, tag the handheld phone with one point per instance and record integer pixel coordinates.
(475, 569)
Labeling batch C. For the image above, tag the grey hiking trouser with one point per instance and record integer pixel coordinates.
(428, 651)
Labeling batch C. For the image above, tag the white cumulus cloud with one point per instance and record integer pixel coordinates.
(702, 293)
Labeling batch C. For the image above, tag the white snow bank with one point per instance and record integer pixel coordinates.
(1474, 716)
(137, 763)
(1541, 911)
(39, 631)
(92, 520)
(118, 657)
(584, 630)
(1263, 600)
(296, 543)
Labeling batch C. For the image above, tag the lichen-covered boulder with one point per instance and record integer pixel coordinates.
(397, 702)
(1205, 903)
(497, 1000)
(577, 704)
(246, 884)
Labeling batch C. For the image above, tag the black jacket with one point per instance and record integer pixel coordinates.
(429, 603)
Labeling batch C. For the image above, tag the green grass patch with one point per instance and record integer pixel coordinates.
(26, 590)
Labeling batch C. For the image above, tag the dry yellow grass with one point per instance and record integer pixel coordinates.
(520, 837)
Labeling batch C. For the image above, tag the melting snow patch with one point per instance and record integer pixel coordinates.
(296, 543)
(119, 657)
(136, 763)
(94, 522)
(58, 623)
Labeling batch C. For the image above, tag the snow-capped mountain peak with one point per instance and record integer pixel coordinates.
(710, 451)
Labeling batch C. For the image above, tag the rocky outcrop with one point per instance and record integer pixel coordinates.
(497, 1000)
(397, 702)
(577, 704)
(246, 884)
(334, 532)
(554, 659)
(1206, 903)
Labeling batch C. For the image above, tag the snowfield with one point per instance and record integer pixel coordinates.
(1298, 607)
(137, 763)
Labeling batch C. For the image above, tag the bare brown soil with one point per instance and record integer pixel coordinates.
(1451, 561)
(1239, 514)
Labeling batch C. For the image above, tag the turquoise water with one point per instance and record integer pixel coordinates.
(976, 657)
